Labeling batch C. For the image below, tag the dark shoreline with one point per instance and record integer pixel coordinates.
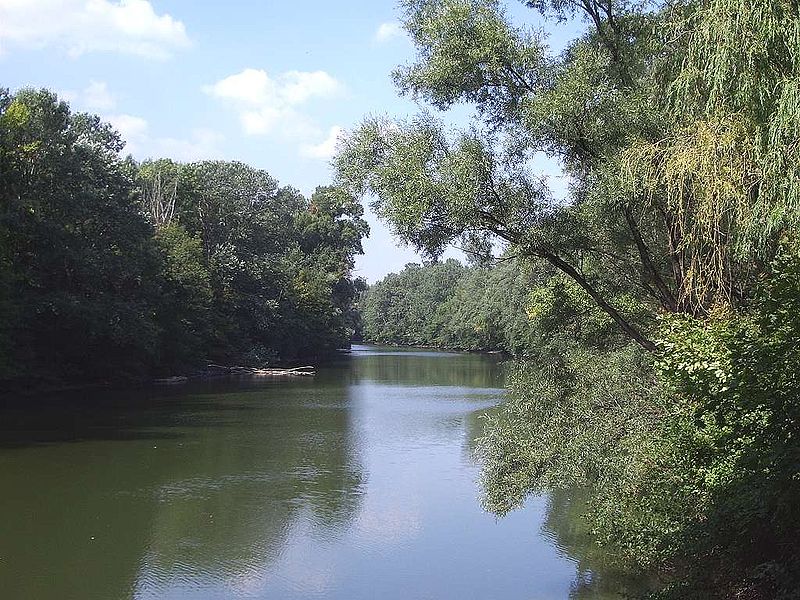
(32, 388)
(38, 388)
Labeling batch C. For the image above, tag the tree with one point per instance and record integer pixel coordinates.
(403, 307)
(601, 110)
(77, 254)
(114, 270)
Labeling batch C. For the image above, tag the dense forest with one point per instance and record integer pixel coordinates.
(114, 269)
(516, 307)
(662, 309)
(448, 305)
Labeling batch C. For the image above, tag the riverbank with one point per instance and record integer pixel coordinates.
(31, 387)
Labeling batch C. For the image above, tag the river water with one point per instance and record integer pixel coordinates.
(358, 483)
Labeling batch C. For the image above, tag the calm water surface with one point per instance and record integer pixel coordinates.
(356, 484)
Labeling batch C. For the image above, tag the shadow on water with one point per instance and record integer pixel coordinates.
(202, 483)
(138, 413)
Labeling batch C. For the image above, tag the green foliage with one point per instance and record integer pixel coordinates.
(728, 167)
(185, 301)
(402, 308)
(78, 260)
(470, 52)
(737, 378)
(678, 124)
(433, 186)
(278, 264)
(693, 456)
(486, 311)
(513, 306)
(570, 422)
(114, 270)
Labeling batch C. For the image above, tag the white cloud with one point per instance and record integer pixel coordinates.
(269, 105)
(131, 128)
(298, 86)
(97, 97)
(82, 26)
(388, 31)
(325, 149)
(254, 87)
(135, 131)
(251, 86)
(202, 144)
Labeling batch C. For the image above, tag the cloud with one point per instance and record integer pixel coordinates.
(269, 105)
(83, 26)
(95, 97)
(255, 87)
(131, 128)
(202, 144)
(388, 31)
(325, 149)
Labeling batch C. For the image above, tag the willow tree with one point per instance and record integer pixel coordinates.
(727, 174)
(434, 186)
(648, 113)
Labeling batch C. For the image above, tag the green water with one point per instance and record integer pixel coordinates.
(356, 484)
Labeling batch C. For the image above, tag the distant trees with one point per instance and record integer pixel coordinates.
(113, 269)
(404, 308)
(453, 306)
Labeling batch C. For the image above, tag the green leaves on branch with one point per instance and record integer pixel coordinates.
(432, 189)
(469, 52)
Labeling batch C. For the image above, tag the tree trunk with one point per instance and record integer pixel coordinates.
(601, 302)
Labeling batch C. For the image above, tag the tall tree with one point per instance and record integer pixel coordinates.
(77, 253)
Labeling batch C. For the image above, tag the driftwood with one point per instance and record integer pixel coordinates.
(267, 372)
(214, 371)
(307, 371)
(171, 380)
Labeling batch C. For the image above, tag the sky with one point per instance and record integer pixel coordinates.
(271, 84)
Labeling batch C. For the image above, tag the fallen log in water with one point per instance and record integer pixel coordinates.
(215, 371)
(306, 371)
(171, 380)
(265, 372)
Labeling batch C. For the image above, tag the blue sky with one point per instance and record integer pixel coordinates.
(267, 83)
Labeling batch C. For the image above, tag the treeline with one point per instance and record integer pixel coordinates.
(115, 269)
(485, 308)
(664, 308)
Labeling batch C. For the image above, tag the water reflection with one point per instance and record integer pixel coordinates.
(596, 577)
(396, 366)
(358, 483)
(193, 488)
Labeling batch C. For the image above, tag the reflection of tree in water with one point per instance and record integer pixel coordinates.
(476, 428)
(206, 486)
(424, 368)
(596, 578)
(231, 509)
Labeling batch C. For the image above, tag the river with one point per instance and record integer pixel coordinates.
(358, 483)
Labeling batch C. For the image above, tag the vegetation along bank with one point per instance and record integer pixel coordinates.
(659, 303)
